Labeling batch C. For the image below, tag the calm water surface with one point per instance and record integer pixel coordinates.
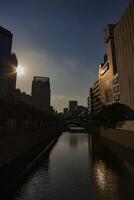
(74, 172)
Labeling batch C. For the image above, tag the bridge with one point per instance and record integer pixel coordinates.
(76, 121)
(81, 122)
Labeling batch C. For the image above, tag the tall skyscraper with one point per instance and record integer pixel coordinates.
(108, 69)
(73, 106)
(124, 47)
(41, 92)
(8, 63)
(95, 103)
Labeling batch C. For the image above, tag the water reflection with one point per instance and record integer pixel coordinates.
(106, 181)
(35, 188)
(73, 141)
(75, 171)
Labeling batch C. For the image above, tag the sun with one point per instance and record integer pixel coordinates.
(20, 70)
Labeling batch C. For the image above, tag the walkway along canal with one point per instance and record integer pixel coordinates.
(75, 169)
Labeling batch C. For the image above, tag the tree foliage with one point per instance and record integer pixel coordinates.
(111, 114)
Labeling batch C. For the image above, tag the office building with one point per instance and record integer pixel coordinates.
(73, 107)
(41, 92)
(95, 98)
(124, 47)
(8, 63)
(116, 72)
(108, 69)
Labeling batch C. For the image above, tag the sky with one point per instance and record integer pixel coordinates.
(60, 39)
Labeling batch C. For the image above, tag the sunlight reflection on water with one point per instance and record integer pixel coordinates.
(73, 173)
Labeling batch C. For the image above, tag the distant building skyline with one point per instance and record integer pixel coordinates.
(60, 39)
(73, 106)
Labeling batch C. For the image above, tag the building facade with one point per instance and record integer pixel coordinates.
(89, 103)
(73, 107)
(117, 71)
(41, 92)
(108, 69)
(124, 47)
(95, 98)
(8, 63)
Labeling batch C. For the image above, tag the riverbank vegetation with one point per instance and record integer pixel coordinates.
(110, 115)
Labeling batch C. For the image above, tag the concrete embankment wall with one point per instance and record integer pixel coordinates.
(121, 143)
(15, 144)
(124, 138)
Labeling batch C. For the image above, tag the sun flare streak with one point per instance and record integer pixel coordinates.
(20, 70)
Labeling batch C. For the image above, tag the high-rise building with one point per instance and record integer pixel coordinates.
(108, 69)
(73, 106)
(41, 92)
(8, 63)
(5, 42)
(124, 47)
(95, 99)
(117, 72)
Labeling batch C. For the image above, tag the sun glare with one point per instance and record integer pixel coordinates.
(20, 70)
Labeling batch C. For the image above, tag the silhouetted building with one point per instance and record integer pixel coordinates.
(89, 103)
(15, 96)
(81, 110)
(41, 92)
(52, 110)
(26, 98)
(124, 47)
(65, 110)
(8, 63)
(18, 96)
(73, 106)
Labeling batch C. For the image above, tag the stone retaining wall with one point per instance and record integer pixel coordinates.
(121, 137)
(121, 144)
(13, 146)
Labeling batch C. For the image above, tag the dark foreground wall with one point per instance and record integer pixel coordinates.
(15, 144)
(121, 143)
(18, 153)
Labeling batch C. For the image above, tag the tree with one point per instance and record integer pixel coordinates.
(111, 114)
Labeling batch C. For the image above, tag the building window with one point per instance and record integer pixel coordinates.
(104, 69)
(108, 95)
(115, 81)
(116, 89)
(117, 97)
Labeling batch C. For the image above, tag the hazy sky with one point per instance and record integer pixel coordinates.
(61, 39)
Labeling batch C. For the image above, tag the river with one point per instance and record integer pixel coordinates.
(72, 171)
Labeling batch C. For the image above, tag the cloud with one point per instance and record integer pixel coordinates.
(69, 78)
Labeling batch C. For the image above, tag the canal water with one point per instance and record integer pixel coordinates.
(74, 171)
